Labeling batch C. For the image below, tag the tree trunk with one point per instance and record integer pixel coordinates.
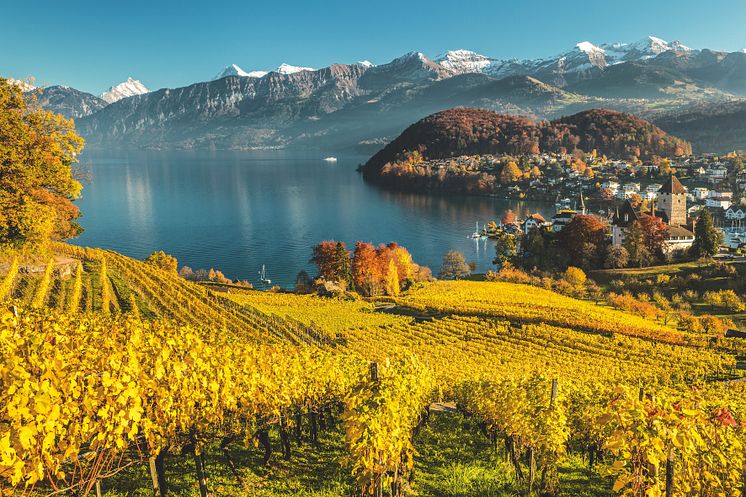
(201, 478)
(157, 466)
(669, 473)
(160, 465)
(322, 419)
(531, 470)
(284, 439)
(514, 459)
(231, 464)
(314, 430)
(298, 427)
(265, 443)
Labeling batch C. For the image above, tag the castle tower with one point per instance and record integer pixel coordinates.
(672, 201)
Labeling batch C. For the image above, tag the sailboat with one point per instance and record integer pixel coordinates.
(476, 235)
(263, 276)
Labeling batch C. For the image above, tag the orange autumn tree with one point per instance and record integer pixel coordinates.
(655, 231)
(37, 184)
(366, 272)
(372, 269)
(333, 261)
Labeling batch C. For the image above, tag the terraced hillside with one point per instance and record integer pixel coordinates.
(107, 282)
(474, 329)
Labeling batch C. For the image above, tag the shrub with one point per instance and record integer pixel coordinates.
(163, 260)
(629, 303)
(725, 299)
(689, 322)
(662, 279)
(564, 287)
(510, 274)
(575, 276)
(714, 325)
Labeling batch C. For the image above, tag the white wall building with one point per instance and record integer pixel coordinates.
(722, 200)
(700, 193)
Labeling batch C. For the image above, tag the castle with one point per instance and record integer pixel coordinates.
(671, 208)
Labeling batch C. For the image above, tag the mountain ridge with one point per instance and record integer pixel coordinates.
(350, 105)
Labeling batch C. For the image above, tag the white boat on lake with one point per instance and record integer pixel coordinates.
(330, 159)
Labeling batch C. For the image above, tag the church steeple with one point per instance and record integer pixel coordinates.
(582, 203)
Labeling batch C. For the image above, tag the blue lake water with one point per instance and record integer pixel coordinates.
(235, 211)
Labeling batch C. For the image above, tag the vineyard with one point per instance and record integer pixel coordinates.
(114, 373)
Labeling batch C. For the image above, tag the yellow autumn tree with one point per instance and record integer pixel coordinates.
(37, 186)
(510, 173)
(392, 279)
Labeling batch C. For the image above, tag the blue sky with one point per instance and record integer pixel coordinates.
(91, 45)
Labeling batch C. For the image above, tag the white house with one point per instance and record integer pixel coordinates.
(562, 219)
(627, 190)
(630, 189)
(717, 174)
(700, 193)
(611, 185)
(678, 239)
(719, 199)
(534, 221)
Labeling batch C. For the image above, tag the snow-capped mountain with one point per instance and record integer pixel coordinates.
(24, 85)
(234, 70)
(360, 102)
(412, 66)
(367, 63)
(464, 61)
(584, 60)
(128, 88)
(288, 69)
(644, 49)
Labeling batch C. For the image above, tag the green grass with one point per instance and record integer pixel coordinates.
(311, 472)
(454, 459)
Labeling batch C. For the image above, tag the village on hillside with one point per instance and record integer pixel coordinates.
(617, 191)
(664, 198)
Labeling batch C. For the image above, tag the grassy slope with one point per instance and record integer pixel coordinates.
(604, 277)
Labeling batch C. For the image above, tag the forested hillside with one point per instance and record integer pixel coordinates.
(466, 131)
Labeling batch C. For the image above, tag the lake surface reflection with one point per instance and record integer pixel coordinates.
(238, 210)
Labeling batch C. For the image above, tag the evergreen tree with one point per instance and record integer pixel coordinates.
(534, 253)
(506, 249)
(707, 238)
(343, 265)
